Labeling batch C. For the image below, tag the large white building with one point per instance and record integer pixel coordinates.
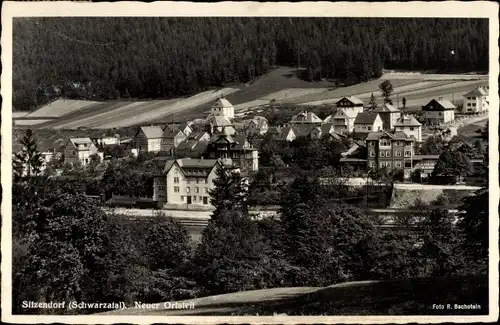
(476, 101)
(186, 181)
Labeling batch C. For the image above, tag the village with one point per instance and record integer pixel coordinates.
(379, 137)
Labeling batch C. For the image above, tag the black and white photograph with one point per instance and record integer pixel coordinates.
(253, 162)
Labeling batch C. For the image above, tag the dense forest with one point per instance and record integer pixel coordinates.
(123, 57)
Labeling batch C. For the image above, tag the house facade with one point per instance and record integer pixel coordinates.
(367, 122)
(234, 148)
(409, 125)
(256, 126)
(351, 104)
(186, 181)
(80, 150)
(343, 121)
(391, 150)
(438, 112)
(389, 115)
(476, 101)
(285, 134)
(148, 139)
(171, 138)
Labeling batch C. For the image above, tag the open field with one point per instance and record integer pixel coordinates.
(390, 297)
(280, 84)
(120, 113)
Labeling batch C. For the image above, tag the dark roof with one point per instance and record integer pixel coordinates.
(479, 91)
(274, 130)
(445, 105)
(302, 130)
(365, 118)
(393, 135)
(352, 99)
(386, 108)
(190, 163)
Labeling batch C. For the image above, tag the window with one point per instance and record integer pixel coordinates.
(206, 180)
(387, 164)
(176, 189)
(206, 189)
(407, 164)
(197, 181)
(382, 164)
(469, 104)
(201, 197)
(397, 164)
(372, 164)
(440, 113)
(372, 153)
(388, 154)
(205, 200)
(194, 198)
(407, 153)
(382, 153)
(176, 179)
(182, 198)
(369, 128)
(397, 153)
(197, 189)
(473, 104)
(188, 189)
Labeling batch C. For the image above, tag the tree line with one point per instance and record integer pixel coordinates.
(122, 57)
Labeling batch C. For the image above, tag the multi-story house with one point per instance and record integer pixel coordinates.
(438, 112)
(306, 117)
(148, 139)
(367, 122)
(233, 147)
(171, 138)
(343, 121)
(391, 150)
(256, 126)
(351, 104)
(409, 125)
(80, 149)
(222, 107)
(186, 181)
(476, 101)
(389, 115)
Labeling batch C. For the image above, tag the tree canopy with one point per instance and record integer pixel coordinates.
(160, 57)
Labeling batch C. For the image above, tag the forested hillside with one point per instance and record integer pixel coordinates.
(124, 57)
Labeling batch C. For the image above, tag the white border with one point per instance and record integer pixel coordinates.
(475, 9)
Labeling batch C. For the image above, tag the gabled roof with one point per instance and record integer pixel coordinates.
(220, 121)
(352, 99)
(393, 135)
(77, 141)
(171, 133)
(307, 117)
(445, 104)
(190, 163)
(366, 118)
(152, 132)
(407, 120)
(479, 91)
(386, 108)
(303, 129)
(223, 103)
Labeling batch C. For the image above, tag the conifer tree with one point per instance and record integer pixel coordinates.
(386, 90)
(28, 162)
(373, 103)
